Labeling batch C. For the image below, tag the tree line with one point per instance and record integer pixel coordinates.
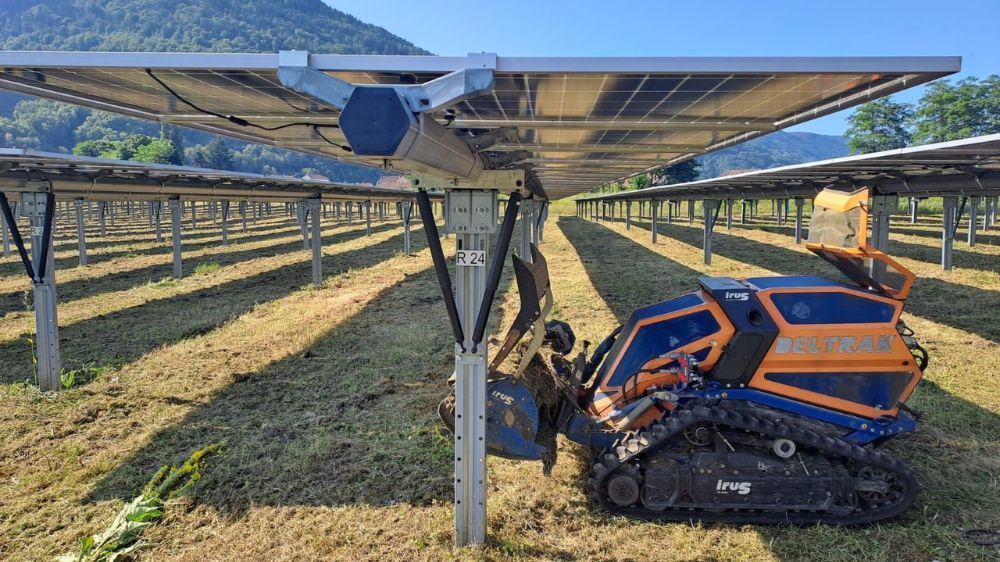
(946, 111)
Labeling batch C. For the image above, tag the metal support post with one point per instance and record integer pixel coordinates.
(157, 207)
(5, 235)
(46, 319)
(317, 242)
(103, 210)
(542, 211)
(175, 230)
(799, 202)
(709, 208)
(914, 203)
(948, 231)
(81, 237)
(973, 220)
(691, 211)
(368, 218)
(527, 220)
(470, 392)
(194, 215)
(406, 205)
(243, 214)
(350, 213)
(39, 208)
(628, 215)
(302, 213)
(654, 207)
(225, 222)
(881, 209)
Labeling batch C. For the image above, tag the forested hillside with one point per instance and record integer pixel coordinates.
(773, 150)
(191, 25)
(173, 25)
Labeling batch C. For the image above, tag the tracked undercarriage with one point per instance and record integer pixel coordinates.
(722, 463)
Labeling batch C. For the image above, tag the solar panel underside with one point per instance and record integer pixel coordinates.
(573, 123)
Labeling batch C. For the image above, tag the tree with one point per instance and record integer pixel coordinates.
(111, 126)
(159, 151)
(98, 148)
(214, 155)
(52, 123)
(956, 111)
(686, 171)
(173, 134)
(879, 125)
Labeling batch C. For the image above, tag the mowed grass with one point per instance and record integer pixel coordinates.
(324, 398)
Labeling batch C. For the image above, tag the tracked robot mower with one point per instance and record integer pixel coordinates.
(760, 400)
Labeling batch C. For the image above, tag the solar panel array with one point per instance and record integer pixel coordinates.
(963, 167)
(99, 178)
(573, 123)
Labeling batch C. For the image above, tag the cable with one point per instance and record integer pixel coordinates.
(322, 136)
(243, 122)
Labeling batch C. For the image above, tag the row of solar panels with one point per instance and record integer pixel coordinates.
(99, 178)
(962, 167)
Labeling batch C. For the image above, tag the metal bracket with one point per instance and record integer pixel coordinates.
(470, 212)
(295, 72)
(504, 180)
(884, 203)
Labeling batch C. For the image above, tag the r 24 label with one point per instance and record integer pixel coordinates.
(471, 258)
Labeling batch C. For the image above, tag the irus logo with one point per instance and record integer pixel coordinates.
(724, 487)
(737, 296)
(508, 400)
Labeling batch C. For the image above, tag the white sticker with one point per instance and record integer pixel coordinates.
(471, 258)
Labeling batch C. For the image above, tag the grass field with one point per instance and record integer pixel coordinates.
(324, 398)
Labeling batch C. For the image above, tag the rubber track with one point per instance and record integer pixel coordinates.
(661, 432)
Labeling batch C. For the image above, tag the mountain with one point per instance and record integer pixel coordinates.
(191, 25)
(770, 151)
(176, 25)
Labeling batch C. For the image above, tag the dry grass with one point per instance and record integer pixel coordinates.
(325, 400)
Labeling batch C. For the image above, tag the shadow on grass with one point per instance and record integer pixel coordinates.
(127, 334)
(350, 420)
(81, 288)
(193, 241)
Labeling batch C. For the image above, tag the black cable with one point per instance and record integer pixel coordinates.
(243, 122)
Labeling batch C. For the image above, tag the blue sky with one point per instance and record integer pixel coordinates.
(699, 28)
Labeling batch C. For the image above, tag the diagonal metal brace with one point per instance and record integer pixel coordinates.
(496, 268)
(15, 232)
(440, 266)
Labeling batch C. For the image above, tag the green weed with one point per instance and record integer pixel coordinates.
(122, 538)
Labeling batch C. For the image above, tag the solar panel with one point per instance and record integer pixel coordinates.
(99, 178)
(571, 123)
(962, 167)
